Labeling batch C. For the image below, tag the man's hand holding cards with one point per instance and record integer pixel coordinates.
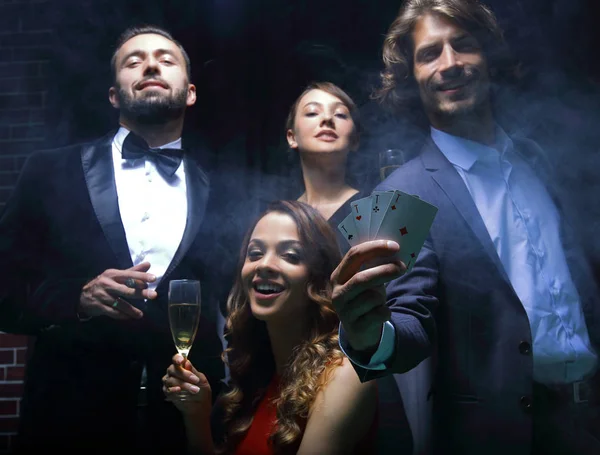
(390, 215)
(375, 227)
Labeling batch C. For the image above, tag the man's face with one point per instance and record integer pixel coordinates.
(151, 83)
(449, 67)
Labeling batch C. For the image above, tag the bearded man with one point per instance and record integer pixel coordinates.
(90, 238)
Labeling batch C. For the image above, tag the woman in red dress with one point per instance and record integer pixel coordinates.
(292, 390)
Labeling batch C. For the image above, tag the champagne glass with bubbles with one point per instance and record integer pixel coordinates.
(184, 315)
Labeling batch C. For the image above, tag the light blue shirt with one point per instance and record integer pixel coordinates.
(524, 226)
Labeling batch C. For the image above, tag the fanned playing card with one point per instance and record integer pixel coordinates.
(390, 215)
(348, 229)
(407, 222)
(361, 210)
(380, 201)
(396, 203)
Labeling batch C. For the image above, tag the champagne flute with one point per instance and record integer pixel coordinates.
(184, 315)
(390, 160)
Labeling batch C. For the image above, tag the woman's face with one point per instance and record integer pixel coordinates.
(322, 124)
(275, 273)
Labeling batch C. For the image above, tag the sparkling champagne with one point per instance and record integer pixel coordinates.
(183, 318)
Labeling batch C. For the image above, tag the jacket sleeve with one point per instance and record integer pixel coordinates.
(412, 299)
(20, 240)
(29, 298)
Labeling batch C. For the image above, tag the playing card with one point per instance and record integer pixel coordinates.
(407, 222)
(348, 229)
(361, 210)
(380, 201)
(398, 200)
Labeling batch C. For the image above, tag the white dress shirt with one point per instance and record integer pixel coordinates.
(153, 210)
(524, 226)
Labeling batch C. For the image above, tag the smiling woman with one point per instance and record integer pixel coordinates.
(275, 273)
(292, 389)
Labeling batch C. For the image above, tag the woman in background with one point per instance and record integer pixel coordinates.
(292, 389)
(323, 127)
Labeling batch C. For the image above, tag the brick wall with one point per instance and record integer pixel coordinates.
(12, 368)
(24, 48)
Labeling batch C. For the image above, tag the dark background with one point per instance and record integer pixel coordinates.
(251, 58)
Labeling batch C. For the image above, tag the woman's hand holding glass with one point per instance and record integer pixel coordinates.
(182, 376)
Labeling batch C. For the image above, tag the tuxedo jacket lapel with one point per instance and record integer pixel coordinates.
(197, 186)
(100, 179)
(96, 159)
(444, 174)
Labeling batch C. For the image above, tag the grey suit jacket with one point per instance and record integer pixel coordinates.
(458, 305)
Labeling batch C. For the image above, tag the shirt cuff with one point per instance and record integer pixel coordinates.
(384, 351)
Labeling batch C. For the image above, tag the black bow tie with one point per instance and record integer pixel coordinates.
(167, 160)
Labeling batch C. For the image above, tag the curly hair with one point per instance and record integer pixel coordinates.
(249, 354)
(399, 91)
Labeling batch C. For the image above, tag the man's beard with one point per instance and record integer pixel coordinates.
(477, 95)
(153, 109)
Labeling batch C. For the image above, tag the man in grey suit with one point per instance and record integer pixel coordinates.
(501, 295)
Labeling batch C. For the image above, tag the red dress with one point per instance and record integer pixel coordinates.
(256, 441)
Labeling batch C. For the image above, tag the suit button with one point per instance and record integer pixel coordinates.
(526, 403)
(524, 348)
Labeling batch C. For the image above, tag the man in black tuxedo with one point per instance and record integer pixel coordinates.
(502, 295)
(89, 241)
